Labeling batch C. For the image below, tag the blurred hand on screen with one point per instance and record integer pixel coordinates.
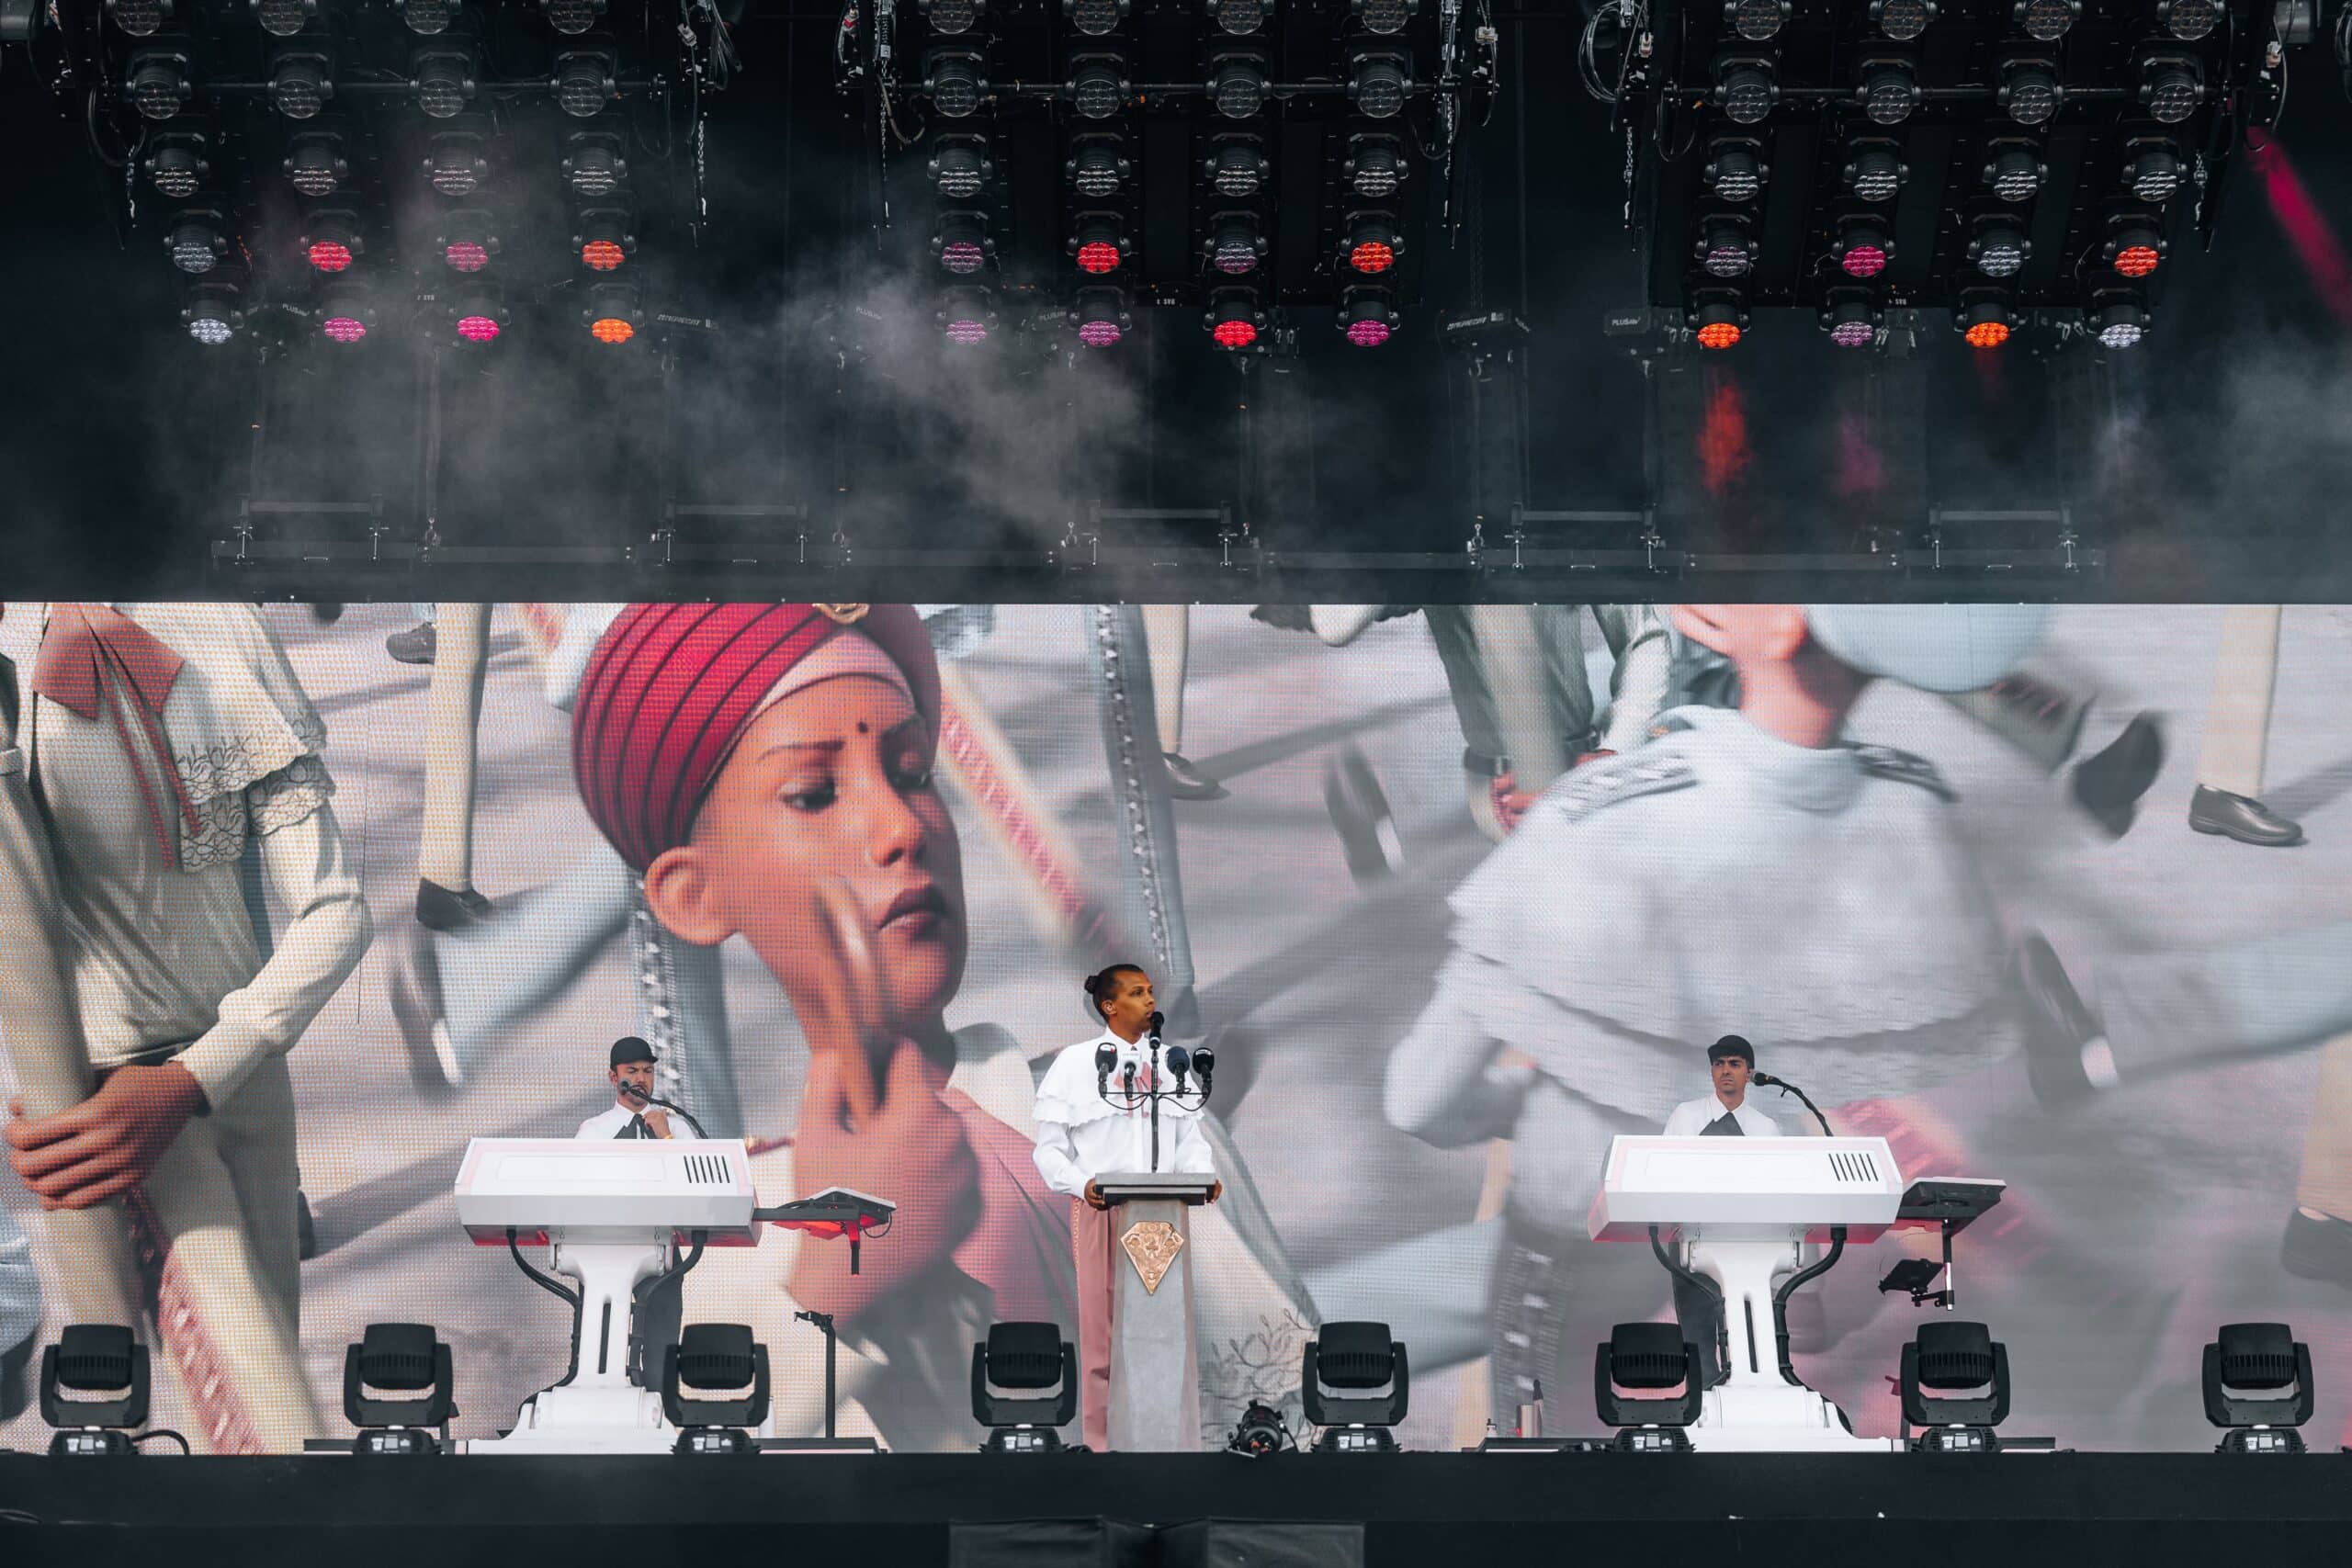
(108, 1144)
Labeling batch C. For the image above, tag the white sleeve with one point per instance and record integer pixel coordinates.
(1193, 1156)
(1678, 1125)
(1056, 1158)
(1446, 1084)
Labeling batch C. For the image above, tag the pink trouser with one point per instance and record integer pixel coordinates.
(1094, 1234)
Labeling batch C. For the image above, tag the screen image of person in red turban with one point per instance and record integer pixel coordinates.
(767, 770)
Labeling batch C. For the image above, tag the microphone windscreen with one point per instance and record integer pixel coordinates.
(1180, 1061)
(1204, 1059)
(1157, 1020)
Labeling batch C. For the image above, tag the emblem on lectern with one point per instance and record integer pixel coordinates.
(1152, 1246)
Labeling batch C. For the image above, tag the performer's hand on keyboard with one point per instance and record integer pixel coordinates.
(108, 1144)
(910, 1151)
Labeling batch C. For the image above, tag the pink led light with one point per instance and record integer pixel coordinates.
(343, 329)
(477, 328)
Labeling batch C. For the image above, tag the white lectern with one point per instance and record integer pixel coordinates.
(615, 1211)
(1742, 1208)
(1155, 1368)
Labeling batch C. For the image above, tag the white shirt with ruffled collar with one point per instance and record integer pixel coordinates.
(1082, 1137)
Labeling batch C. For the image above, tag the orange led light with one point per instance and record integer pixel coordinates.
(1372, 257)
(602, 255)
(2136, 261)
(1718, 335)
(612, 329)
(1987, 334)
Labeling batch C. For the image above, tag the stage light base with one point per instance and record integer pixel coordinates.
(2260, 1440)
(91, 1442)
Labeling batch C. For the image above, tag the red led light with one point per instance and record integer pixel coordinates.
(1718, 335)
(466, 255)
(477, 328)
(612, 329)
(1987, 334)
(1235, 334)
(1372, 257)
(343, 329)
(1098, 255)
(601, 255)
(2136, 261)
(330, 255)
(1863, 261)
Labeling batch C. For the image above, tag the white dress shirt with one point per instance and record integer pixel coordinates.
(1081, 1137)
(608, 1122)
(1690, 1119)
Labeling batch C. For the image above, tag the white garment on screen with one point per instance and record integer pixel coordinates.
(1690, 1119)
(1081, 1137)
(608, 1122)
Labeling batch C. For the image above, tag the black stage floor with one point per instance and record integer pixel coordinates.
(805, 1511)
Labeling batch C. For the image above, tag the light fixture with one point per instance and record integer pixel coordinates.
(2030, 89)
(140, 18)
(1024, 1380)
(1235, 246)
(1097, 164)
(330, 239)
(1874, 169)
(727, 1370)
(1098, 243)
(1237, 85)
(157, 82)
(314, 163)
(1386, 18)
(2135, 243)
(951, 18)
(1725, 246)
(2000, 247)
(584, 82)
(1889, 91)
(1375, 165)
(966, 315)
(1233, 318)
(606, 238)
(1095, 18)
(467, 239)
(2188, 20)
(1645, 1378)
(595, 164)
(300, 83)
(1902, 20)
(1969, 1372)
(197, 239)
(1367, 315)
(1373, 242)
(2118, 316)
(1984, 319)
(1236, 167)
(1863, 248)
(1098, 86)
(960, 168)
(1355, 1382)
(1101, 316)
(2152, 169)
(214, 312)
(399, 1389)
(1378, 81)
(611, 312)
(455, 163)
(94, 1381)
(962, 241)
(1755, 20)
(2172, 84)
(1851, 317)
(1745, 87)
(2257, 1381)
(284, 18)
(478, 315)
(1238, 17)
(573, 17)
(428, 19)
(1734, 169)
(2046, 21)
(178, 162)
(1718, 318)
(445, 82)
(345, 314)
(2014, 171)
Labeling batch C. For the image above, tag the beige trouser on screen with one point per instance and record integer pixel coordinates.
(2325, 1184)
(460, 657)
(2238, 721)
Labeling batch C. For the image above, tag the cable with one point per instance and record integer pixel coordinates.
(137, 1438)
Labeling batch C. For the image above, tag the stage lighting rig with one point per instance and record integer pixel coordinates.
(1902, 20)
(197, 239)
(1101, 316)
(301, 80)
(961, 169)
(215, 310)
(157, 83)
(612, 313)
(347, 311)
(1236, 164)
(1889, 89)
(467, 240)
(478, 314)
(1098, 166)
(586, 80)
(1983, 319)
(1098, 85)
(596, 164)
(573, 17)
(1100, 244)
(1874, 169)
(443, 81)
(1237, 245)
(728, 1370)
(950, 18)
(1238, 81)
(2135, 244)
(1852, 317)
(140, 18)
(2257, 1379)
(961, 242)
(330, 240)
(967, 315)
(179, 161)
(1645, 1383)
(1024, 1384)
(1736, 169)
(955, 77)
(1725, 248)
(428, 19)
(1999, 248)
(1367, 315)
(2014, 170)
(93, 1386)
(2119, 315)
(1238, 19)
(1968, 1372)
(1233, 318)
(1356, 1382)
(605, 238)
(1379, 79)
(1375, 166)
(398, 1384)
(284, 18)
(314, 163)
(1095, 18)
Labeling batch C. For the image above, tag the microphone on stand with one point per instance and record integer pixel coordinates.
(1157, 1020)
(1106, 1056)
(667, 1105)
(1128, 1075)
(1180, 1062)
(1205, 1064)
(1785, 1087)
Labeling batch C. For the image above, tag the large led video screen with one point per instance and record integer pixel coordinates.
(295, 901)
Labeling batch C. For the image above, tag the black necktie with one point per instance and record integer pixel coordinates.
(636, 1128)
(1724, 1126)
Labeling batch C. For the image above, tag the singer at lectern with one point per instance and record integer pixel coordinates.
(1082, 1136)
(632, 1113)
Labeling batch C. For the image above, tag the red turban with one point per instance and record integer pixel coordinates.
(671, 688)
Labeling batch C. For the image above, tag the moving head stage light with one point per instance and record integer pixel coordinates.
(93, 1385)
(399, 1389)
(2258, 1388)
(1024, 1384)
(1923, 151)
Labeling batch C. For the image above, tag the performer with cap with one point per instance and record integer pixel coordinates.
(1765, 867)
(629, 1116)
(1731, 1062)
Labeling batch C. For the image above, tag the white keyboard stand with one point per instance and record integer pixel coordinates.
(1741, 1209)
(615, 1212)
